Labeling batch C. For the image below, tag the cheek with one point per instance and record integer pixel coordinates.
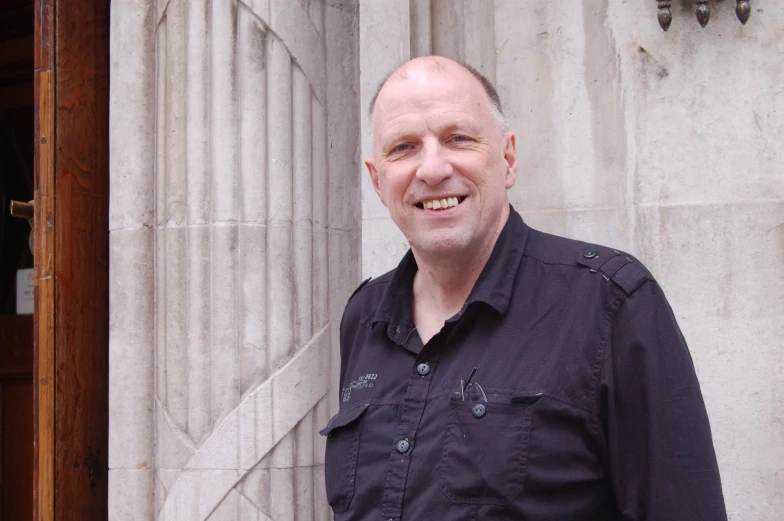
(397, 184)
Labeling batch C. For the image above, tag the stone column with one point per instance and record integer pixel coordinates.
(234, 246)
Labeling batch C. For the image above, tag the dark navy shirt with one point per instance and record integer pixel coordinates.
(584, 404)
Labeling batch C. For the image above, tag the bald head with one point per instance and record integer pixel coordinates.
(440, 64)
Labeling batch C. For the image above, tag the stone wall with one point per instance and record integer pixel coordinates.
(235, 221)
(667, 145)
(234, 247)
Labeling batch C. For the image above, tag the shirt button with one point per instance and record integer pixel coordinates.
(590, 254)
(479, 410)
(423, 369)
(402, 446)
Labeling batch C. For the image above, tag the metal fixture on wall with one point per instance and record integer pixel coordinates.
(742, 10)
(665, 14)
(703, 12)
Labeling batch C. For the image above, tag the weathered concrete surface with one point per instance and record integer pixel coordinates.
(667, 145)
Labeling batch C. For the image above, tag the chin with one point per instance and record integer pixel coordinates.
(441, 245)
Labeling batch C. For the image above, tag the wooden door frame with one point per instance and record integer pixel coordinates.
(71, 90)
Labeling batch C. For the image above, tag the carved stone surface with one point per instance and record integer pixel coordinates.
(234, 257)
(226, 234)
(608, 111)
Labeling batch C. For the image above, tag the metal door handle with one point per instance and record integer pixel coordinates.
(23, 210)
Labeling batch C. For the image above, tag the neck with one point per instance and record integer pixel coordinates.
(443, 284)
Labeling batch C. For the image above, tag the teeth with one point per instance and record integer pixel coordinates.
(438, 204)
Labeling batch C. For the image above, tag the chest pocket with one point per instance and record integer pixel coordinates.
(340, 462)
(484, 455)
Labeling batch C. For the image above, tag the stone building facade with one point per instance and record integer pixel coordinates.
(242, 219)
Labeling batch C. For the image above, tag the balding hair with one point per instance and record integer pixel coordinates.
(439, 63)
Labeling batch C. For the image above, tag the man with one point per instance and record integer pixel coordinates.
(499, 372)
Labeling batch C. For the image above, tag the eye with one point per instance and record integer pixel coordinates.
(401, 148)
(459, 139)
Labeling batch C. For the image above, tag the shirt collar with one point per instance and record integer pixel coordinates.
(493, 287)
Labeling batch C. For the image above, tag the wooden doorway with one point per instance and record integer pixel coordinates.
(71, 251)
(16, 261)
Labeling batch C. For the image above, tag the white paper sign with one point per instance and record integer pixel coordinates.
(24, 292)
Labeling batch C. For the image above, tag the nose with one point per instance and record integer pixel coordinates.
(435, 166)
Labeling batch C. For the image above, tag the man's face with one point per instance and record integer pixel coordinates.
(441, 162)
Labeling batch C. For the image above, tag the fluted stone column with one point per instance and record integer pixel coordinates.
(667, 145)
(234, 246)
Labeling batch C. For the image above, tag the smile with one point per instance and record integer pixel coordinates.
(440, 204)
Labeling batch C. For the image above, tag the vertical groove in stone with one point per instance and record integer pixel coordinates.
(197, 127)
(420, 28)
(160, 213)
(303, 468)
(282, 489)
(225, 352)
(464, 30)
(174, 317)
(198, 335)
(446, 25)
(302, 205)
(174, 301)
(321, 418)
(253, 312)
(320, 309)
(175, 180)
(225, 159)
(251, 71)
(478, 38)
(263, 480)
(280, 290)
(197, 161)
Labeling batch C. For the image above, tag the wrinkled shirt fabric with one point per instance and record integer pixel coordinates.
(584, 404)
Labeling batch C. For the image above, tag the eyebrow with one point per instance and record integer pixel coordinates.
(467, 126)
(395, 137)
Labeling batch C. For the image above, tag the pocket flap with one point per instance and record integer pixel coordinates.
(527, 400)
(343, 418)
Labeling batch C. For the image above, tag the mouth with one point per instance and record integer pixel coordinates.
(440, 204)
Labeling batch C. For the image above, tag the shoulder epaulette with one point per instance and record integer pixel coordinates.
(361, 285)
(614, 266)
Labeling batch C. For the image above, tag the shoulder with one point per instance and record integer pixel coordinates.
(370, 287)
(612, 265)
(365, 298)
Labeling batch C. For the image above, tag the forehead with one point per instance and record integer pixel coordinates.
(424, 92)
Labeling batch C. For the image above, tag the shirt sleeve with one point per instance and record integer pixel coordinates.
(659, 450)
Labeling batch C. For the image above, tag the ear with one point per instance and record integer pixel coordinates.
(375, 179)
(510, 155)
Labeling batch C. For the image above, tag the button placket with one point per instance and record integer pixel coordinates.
(400, 456)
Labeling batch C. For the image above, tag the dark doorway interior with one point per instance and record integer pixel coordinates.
(16, 330)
